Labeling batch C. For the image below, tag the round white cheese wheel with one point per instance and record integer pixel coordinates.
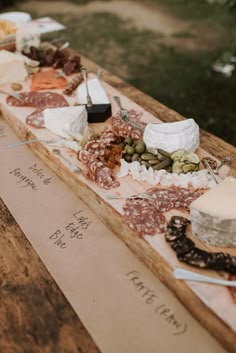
(171, 137)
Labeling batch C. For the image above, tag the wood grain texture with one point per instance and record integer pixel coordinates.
(35, 316)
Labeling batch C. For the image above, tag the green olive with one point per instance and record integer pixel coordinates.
(135, 157)
(127, 158)
(16, 86)
(128, 141)
(140, 147)
(130, 150)
(122, 145)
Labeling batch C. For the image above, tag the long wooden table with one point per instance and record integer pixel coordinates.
(25, 280)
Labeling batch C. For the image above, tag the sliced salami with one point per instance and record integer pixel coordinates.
(143, 216)
(39, 100)
(36, 119)
(124, 129)
(105, 179)
(73, 84)
(146, 216)
(97, 171)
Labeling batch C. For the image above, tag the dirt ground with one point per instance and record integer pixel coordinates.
(152, 46)
(144, 16)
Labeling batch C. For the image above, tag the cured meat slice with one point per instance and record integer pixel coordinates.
(188, 253)
(99, 146)
(47, 80)
(97, 171)
(124, 129)
(105, 179)
(143, 216)
(36, 119)
(39, 100)
(146, 216)
(73, 84)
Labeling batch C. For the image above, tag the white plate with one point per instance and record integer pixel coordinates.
(17, 18)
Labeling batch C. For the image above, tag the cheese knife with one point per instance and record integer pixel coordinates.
(180, 273)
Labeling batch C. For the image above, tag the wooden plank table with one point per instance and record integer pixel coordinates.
(20, 330)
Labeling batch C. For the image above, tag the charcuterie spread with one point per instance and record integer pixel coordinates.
(140, 175)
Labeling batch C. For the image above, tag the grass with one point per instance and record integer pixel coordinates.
(181, 79)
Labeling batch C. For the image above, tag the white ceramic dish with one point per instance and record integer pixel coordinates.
(17, 18)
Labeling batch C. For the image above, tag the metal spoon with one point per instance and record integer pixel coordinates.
(180, 273)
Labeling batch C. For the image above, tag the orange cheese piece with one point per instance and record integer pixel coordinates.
(47, 80)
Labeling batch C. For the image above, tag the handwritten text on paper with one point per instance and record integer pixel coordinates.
(74, 230)
(153, 299)
(33, 177)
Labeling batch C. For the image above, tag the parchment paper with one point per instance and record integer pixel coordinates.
(122, 304)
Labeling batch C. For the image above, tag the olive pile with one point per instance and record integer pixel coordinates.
(136, 151)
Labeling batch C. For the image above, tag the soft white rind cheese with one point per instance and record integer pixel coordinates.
(96, 92)
(171, 137)
(12, 67)
(74, 119)
(213, 215)
(199, 179)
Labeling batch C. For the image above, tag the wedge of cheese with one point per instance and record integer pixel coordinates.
(59, 120)
(213, 215)
(12, 67)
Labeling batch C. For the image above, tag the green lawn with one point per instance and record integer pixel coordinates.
(181, 79)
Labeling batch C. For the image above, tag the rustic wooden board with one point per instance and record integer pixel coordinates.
(212, 305)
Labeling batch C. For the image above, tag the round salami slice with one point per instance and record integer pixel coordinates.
(38, 100)
(105, 179)
(36, 119)
(124, 129)
(147, 216)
